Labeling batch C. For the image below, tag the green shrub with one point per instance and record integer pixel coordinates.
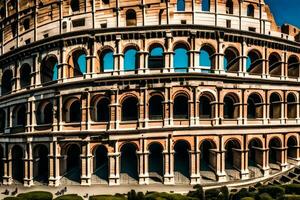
(12, 198)
(242, 194)
(225, 192)
(273, 191)
(106, 197)
(290, 197)
(166, 196)
(292, 189)
(265, 196)
(38, 195)
(69, 197)
(248, 198)
(212, 194)
(198, 193)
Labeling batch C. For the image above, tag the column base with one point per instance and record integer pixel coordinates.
(28, 182)
(266, 171)
(54, 181)
(169, 179)
(114, 180)
(7, 180)
(195, 179)
(284, 166)
(245, 175)
(221, 177)
(85, 180)
(144, 179)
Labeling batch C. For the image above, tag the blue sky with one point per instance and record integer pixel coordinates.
(285, 11)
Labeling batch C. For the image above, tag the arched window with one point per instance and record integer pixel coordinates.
(105, 1)
(130, 109)
(275, 64)
(254, 107)
(207, 58)
(254, 63)
(293, 67)
(45, 113)
(156, 107)
(75, 5)
(181, 107)
(156, 58)
(181, 58)
(78, 63)
(130, 59)
(180, 5)
(291, 106)
(20, 115)
(107, 61)
(206, 5)
(229, 7)
(103, 110)
(2, 120)
(26, 23)
(6, 82)
(275, 106)
(131, 18)
(250, 10)
(75, 112)
(231, 109)
(25, 76)
(205, 107)
(49, 69)
(231, 60)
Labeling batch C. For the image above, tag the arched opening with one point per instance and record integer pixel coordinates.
(231, 107)
(49, 69)
(156, 107)
(207, 160)
(75, 112)
(181, 107)
(156, 57)
(275, 153)
(250, 10)
(291, 106)
(77, 63)
(20, 116)
(156, 162)
(206, 107)
(75, 5)
(26, 24)
(229, 7)
(45, 113)
(102, 111)
(41, 163)
(275, 64)
(275, 106)
(2, 120)
(107, 61)
(101, 163)
(182, 162)
(131, 18)
(130, 109)
(131, 59)
(254, 63)
(73, 163)
(6, 82)
(17, 164)
(181, 58)
(231, 60)
(207, 58)
(129, 170)
(292, 147)
(232, 154)
(255, 154)
(180, 5)
(254, 107)
(206, 5)
(105, 1)
(293, 67)
(25, 76)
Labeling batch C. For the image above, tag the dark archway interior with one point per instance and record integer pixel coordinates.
(231, 155)
(130, 109)
(182, 160)
(292, 147)
(256, 65)
(131, 18)
(2, 120)
(73, 168)
(230, 111)
(48, 114)
(255, 154)
(75, 112)
(274, 65)
(21, 115)
(103, 110)
(291, 106)
(205, 107)
(101, 162)
(129, 161)
(156, 166)
(25, 76)
(275, 106)
(231, 60)
(6, 83)
(1, 163)
(47, 69)
(293, 67)
(205, 150)
(254, 107)
(274, 151)
(156, 107)
(181, 107)
(41, 163)
(17, 164)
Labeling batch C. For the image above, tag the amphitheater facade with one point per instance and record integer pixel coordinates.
(145, 91)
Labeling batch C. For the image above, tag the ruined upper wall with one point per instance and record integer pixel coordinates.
(27, 21)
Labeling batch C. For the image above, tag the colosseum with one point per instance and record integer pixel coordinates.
(146, 91)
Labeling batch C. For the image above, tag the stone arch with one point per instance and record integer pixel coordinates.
(254, 62)
(293, 66)
(181, 106)
(292, 147)
(231, 107)
(129, 170)
(255, 154)
(156, 107)
(25, 75)
(182, 161)
(156, 162)
(131, 57)
(101, 110)
(41, 163)
(130, 108)
(275, 106)
(180, 5)
(250, 10)
(72, 110)
(19, 116)
(254, 106)
(181, 57)
(75, 5)
(106, 56)
(208, 158)
(101, 162)
(49, 69)
(275, 145)
(275, 64)
(17, 155)
(6, 82)
(231, 59)
(77, 63)
(73, 162)
(232, 154)
(131, 18)
(207, 57)
(292, 106)
(229, 7)
(45, 113)
(156, 56)
(207, 105)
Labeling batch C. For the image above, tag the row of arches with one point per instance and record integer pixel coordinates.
(77, 63)
(130, 171)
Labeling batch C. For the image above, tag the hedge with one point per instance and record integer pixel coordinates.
(265, 196)
(166, 196)
(37, 195)
(248, 198)
(12, 198)
(273, 191)
(69, 197)
(106, 197)
(292, 189)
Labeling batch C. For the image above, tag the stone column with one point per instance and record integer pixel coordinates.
(54, 163)
(195, 169)
(244, 165)
(16, 80)
(220, 56)
(7, 167)
(192, 52)
(118, 56)
(63, 65)
(56, 114)
(168, 54)
(114, 166)
(114, 107)
(169, 163)
(284, 66)
(220, 169)
(86, 164)
(243, 65)
(90, 59)
(141, 108)
(283, 114)
(28, 166)
(168, 107)
(36, 74)
(265, 64)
